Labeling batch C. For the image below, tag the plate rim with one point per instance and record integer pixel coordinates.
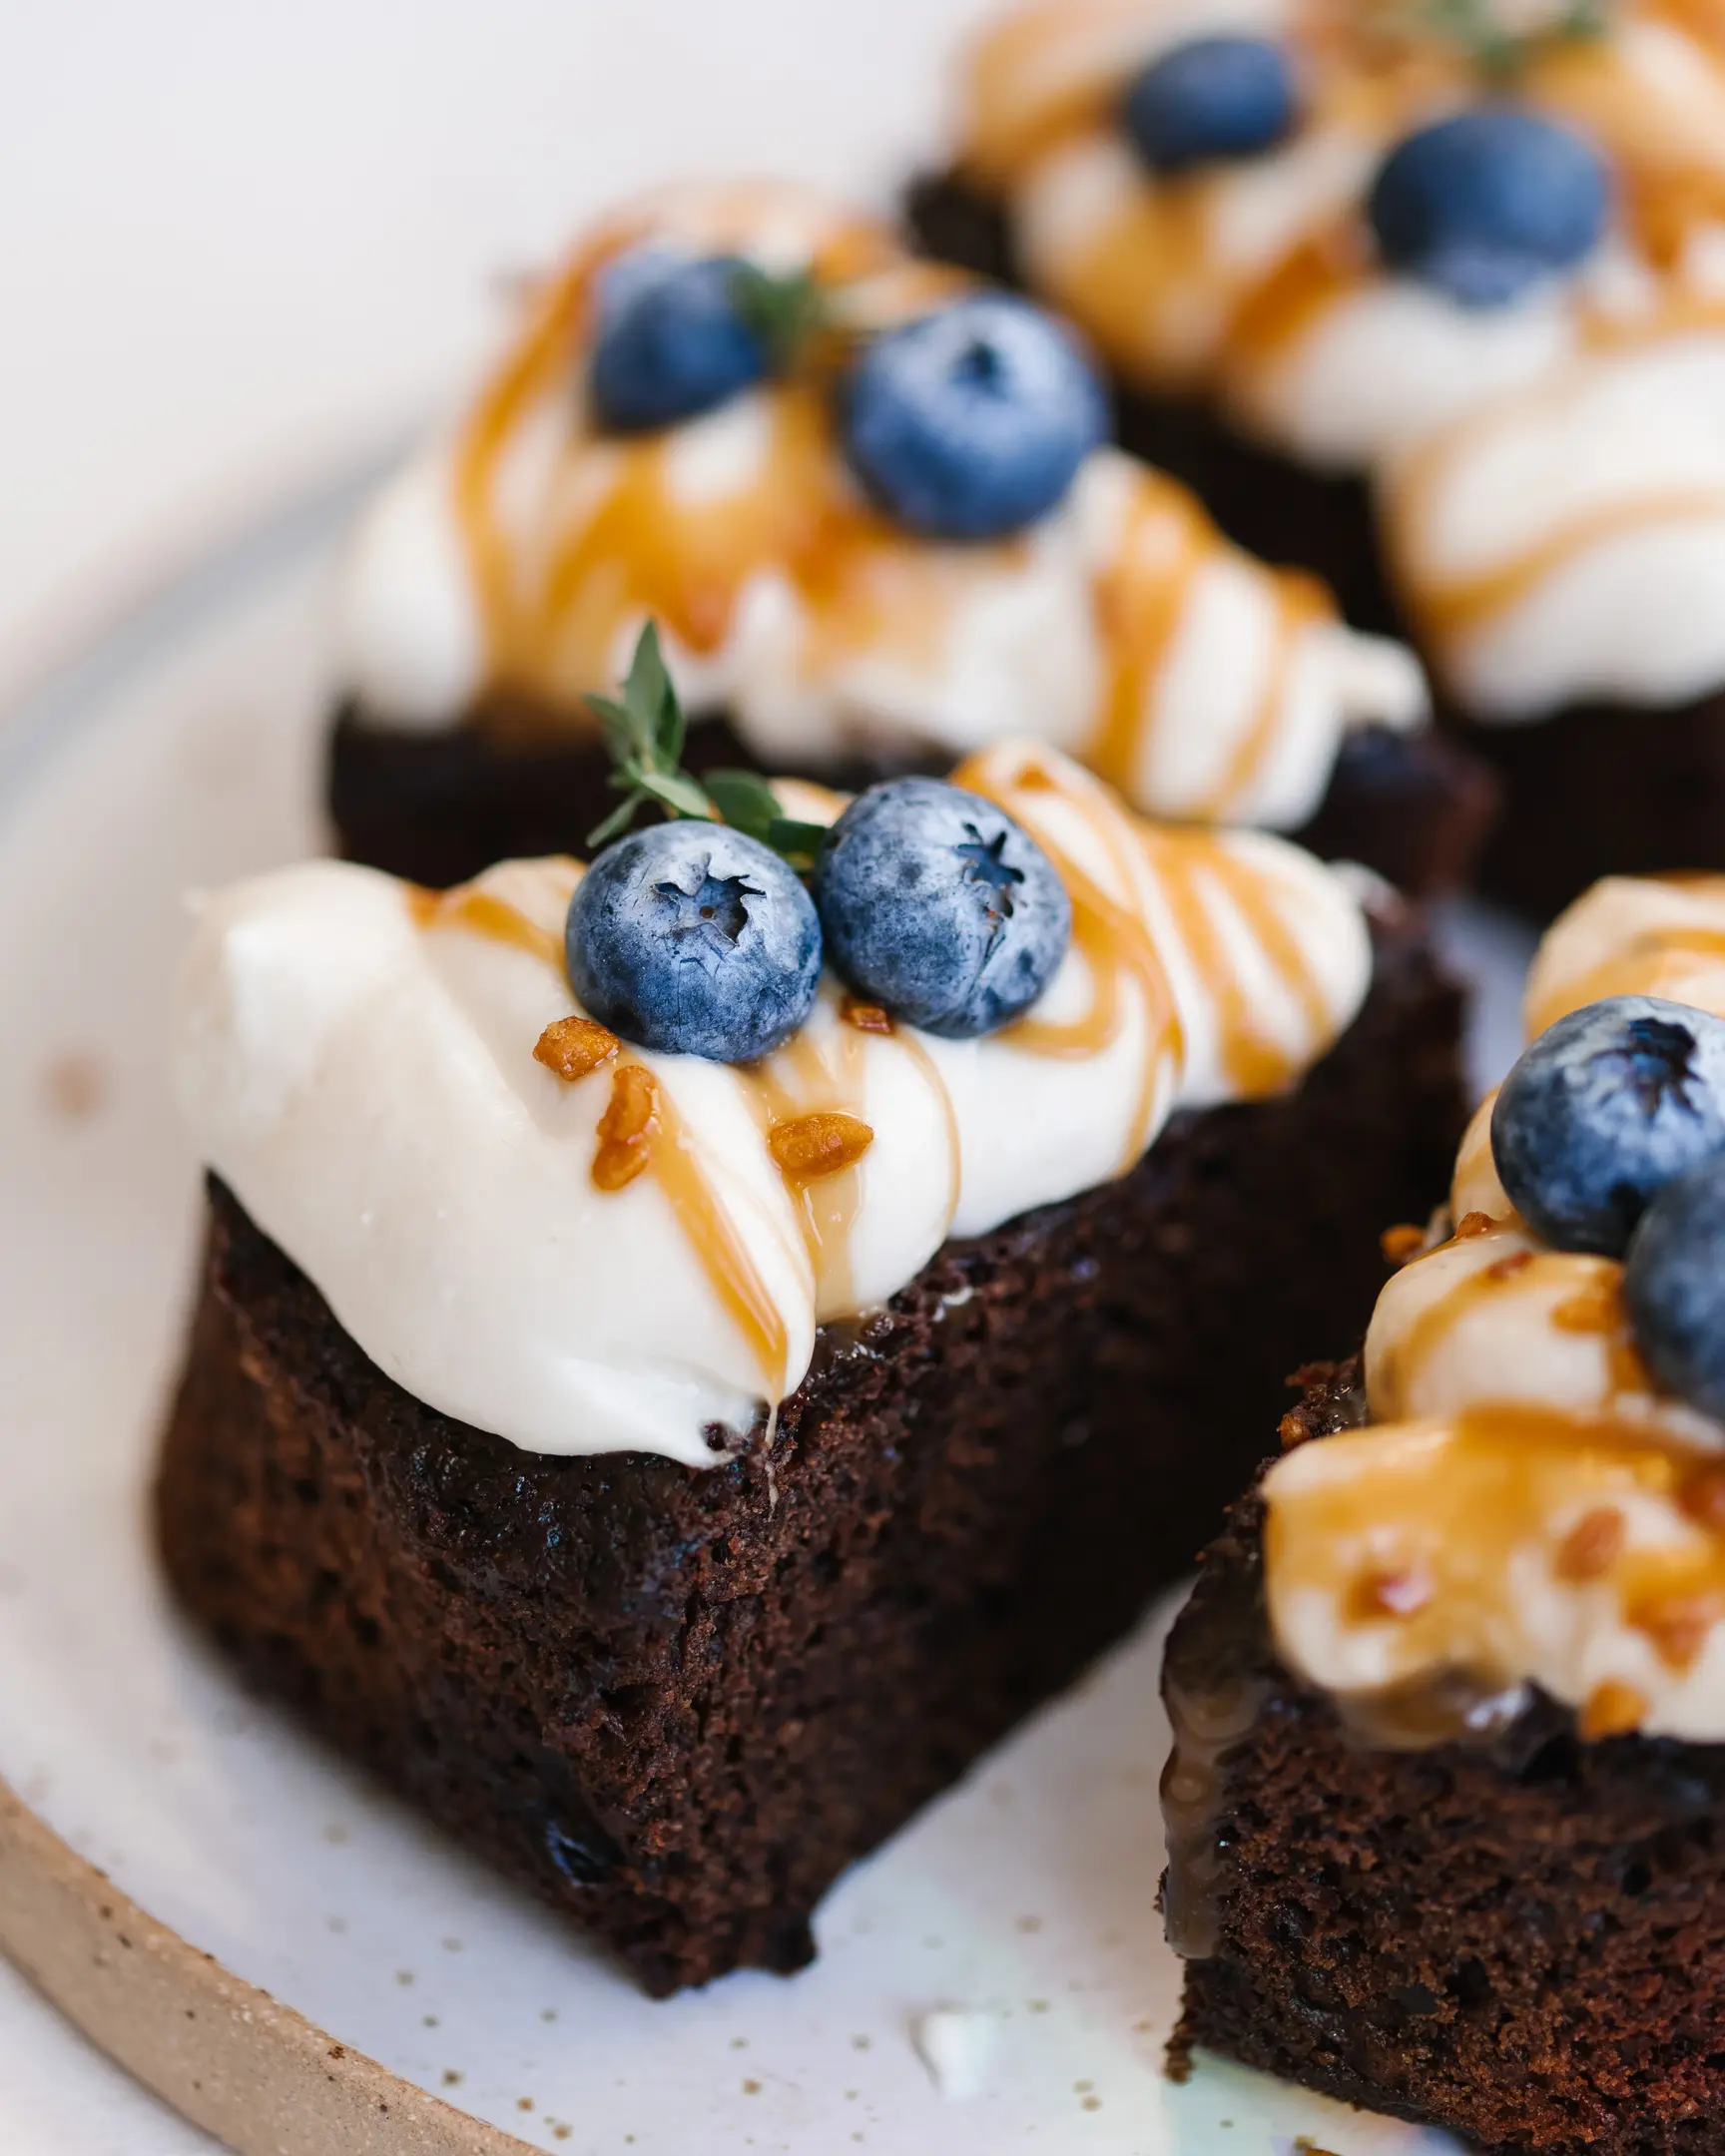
(221, 2051)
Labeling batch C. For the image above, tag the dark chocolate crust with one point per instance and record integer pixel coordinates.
(439, 807)
(1599, 789)
(1521, 1940)
(677, 1703)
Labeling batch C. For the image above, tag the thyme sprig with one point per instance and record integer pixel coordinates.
(1484, 30)
(645, 732)
(786, 313)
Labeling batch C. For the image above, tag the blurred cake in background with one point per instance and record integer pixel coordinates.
(1431, 299)
(871, 506)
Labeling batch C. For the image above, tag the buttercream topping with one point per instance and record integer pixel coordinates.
(1526, 1507)
(508, 570)
(638, 1256)
(1551, 471)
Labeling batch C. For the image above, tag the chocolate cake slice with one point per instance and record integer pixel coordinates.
(676, 1702)
(473, 1461)
(1448, 1698)
(837, 614)
(1519, 1937)
(1333, 328)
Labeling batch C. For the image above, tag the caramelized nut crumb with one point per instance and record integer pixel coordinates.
(1592, 1546)
(1507, 1267)
(1291, 1430)
(1702, 1497)
(1400, 1244)
(1474, 1224)
(1595, 1310)
(1678, 1623)
(865, 1017)
(819, 1145)
(1614, 1708)
(1393, 1594)
(627, 1128)
(574, 1046)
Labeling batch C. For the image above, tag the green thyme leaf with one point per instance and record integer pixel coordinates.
(1478, 28)
(615, 822)
(784, 312)
(796, 842)
(746, 801)
(645, 731)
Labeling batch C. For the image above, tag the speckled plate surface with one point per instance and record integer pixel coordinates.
(179, 751)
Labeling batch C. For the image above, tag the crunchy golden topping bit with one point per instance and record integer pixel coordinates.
(627, 1129)
(1592, 1546)
(1291, 1430)
(1614, 1708)
(1471, 1225)
(574, 1046)
(1595, 1310)
(865, 1017)
(1400, 1244)
(1702, 1495)
(1507, 1267)
(1678, 1621)
(819, 1145)
(1393, 1594)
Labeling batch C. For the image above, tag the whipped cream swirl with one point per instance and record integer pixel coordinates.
(508, 569)
(1526, 1507)
(355, 1059)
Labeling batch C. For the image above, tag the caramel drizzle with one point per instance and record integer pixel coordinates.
(1652, 963)
(1459, 1501)
(801, 1079)
(485, 914)
(1522, 1275)
(720, 1251)
(1141, 598)
(664, 1146)
(1187, 862)
(1453, 610)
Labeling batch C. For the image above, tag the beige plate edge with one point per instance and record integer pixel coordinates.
(223, 2054)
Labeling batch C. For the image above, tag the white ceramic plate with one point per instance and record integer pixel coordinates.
(180, 751)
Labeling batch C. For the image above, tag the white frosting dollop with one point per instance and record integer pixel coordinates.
(524, 553)
(356, 1061)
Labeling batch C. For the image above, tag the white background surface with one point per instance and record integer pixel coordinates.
(239, 238)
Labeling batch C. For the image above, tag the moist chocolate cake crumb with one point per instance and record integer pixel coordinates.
(1520, 1940)
(676, 1704)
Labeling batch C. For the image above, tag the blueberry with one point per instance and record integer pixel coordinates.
(939, 905)
(671, 342)
(972, 421)
(1674, 1286)
(1486, 203)
(694, 939)
(1602, 1111)
(1215, 97)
